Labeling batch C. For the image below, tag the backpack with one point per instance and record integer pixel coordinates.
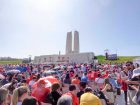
(101, 95)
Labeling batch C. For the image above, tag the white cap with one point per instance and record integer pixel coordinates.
(136, 72)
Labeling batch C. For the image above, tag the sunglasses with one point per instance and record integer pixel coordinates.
(128, 65)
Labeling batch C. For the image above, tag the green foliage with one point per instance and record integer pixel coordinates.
(121, 59)
(11, 62)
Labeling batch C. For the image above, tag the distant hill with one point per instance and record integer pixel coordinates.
(121, 59)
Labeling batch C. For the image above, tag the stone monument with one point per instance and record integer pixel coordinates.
(71, 55)
(69, 43)
(76, 42)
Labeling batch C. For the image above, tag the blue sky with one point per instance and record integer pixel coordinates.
(39, 27)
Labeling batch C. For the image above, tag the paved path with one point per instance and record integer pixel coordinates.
(120, 100)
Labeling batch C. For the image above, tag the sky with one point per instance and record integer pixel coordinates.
(39, 27)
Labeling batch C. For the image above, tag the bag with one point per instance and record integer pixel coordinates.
(101, 95)
(118, 91)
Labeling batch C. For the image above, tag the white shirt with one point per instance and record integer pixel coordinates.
(99, 80)
(123, 75)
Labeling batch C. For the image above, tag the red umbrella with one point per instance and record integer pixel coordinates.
(48, 80)
(14, 71)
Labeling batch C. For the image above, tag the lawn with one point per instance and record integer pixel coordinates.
(121, 59)
(11, 62)
(101, 59)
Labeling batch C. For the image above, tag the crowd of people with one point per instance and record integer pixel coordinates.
(76, 84)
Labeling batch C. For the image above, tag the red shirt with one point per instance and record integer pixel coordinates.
(71, 74)
(91, 76)
(75, 81)
(75, 100)
(95, 75)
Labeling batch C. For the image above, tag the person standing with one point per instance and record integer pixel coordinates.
(72, 94)
(124, 77)
(84, 78)
(30, 101)
(32, 82)
(130, 82)
(82, 89)
(55, 93)
(19, 95)
(99, 81)
(76, 80)
(136, 75)
(88, 98)
(3, 96)
(65, 100)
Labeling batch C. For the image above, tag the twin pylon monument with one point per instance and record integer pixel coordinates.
(72, 47)
(72, 54)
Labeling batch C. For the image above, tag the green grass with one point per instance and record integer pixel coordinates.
(121, 59)
(101, 59)
(11, 62)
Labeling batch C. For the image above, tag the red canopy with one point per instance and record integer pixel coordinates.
(48, 80)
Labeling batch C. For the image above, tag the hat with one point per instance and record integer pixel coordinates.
(136, 72)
